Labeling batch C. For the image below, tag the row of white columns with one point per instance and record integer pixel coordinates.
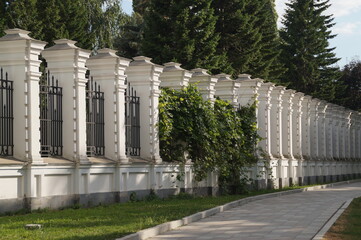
(293, 126)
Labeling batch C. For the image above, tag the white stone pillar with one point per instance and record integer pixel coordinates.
(348, 135)
(107, 70)
(227, 89)
(287, 134)
(174, 77)
(342, 136)
(353, 135)
(297, 134)
(143, 76)
(329, 129)
(297, 125)
(314, 118)
(66, 62)
(335, 132)
(322, 129)
(263, 117)
(248, 91)
(19, 57)
(287, 123)
(276, 122)
(358, 136)
(306, 143)
(204, 82)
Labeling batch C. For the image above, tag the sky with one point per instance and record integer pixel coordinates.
(347, 14)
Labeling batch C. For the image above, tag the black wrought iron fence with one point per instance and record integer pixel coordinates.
(132, 122)
(94, 119)
(6, 115)
(51, 117)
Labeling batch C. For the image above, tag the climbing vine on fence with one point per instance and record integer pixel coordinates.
(214, 137)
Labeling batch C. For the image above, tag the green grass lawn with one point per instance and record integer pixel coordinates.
(348, 225)
(108, 222)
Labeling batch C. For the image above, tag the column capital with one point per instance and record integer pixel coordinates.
(205, 83)
(142, 71)
(174, 76)
(248, 90)
(227, 88)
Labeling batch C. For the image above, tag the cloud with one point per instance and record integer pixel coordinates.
(339, 8)
(349, 28)
(342, 8)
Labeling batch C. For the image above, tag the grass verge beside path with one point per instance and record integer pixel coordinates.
(112, 221)
(348, 225)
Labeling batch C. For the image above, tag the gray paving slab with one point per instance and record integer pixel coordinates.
(295, 216)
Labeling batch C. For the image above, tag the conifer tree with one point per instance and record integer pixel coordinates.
(249, 36)
(270, 67)
(24, 15)
(182, 31)
(306, 52)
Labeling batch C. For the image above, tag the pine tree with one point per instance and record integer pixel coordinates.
(350, 93)
(271, 67)
(128, 43)
(182, 31)
(48, 16)
(2, 17)
(24, 15)
(306, 52)
(249, 36)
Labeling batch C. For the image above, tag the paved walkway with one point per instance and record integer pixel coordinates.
(294, 216)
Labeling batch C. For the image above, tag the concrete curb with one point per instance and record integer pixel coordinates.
(165, 227)
(332, 220)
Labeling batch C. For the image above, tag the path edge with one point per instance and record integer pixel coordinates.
(165, 227)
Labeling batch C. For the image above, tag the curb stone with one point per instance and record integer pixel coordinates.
(165, 227)
(332, 220)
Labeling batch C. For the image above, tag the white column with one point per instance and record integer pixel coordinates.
(19, 57)
(66, 62)
(204, 82)
(322, 130)
(353, 135)
(358, 137)
(248, 91)
(314, 128)
(287, 134)
(342, 136)
(335, 132)
(287, 123)
(227, 89)
(276, 122)
(107, 69)
(297, 125)
(143, 76)
(263, 117)
(174, 77)
(329, 129)
(347, 135)
(297, 134)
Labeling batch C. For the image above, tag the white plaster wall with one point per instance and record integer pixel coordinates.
(10, 187)
(53, 185)
(138, 181)
(101, 182)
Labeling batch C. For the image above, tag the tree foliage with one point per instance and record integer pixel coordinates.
(214, 137)
(182, 31)
(306, 52)
(249, 36)
(350, 95)
(93, 23)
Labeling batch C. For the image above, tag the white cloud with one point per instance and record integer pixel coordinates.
(350, 28)
(339, 8)
(342, 8)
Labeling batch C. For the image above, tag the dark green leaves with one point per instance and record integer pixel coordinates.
(214, 137)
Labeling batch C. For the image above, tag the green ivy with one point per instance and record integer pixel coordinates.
(215, 137)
